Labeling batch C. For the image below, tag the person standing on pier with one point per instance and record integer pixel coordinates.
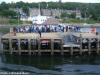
(39, 31)
(14, 30)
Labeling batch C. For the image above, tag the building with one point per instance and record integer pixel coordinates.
(46, 12)
(78, 15)
(56, 12)
(34, 12)
(51, 21)
(39, 19)
(70, 11)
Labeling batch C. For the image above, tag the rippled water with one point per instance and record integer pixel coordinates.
(47, 65)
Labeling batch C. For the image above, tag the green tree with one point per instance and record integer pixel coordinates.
(26, 10)
(93, 8)
(8, 13)
(19, 4)
(4, 5)
(73, 15)
(63, 14)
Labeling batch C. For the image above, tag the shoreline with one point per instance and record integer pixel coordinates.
(80, 25)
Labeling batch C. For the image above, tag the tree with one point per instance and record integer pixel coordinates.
(19, 4)
(93, 8)
(4, 5)
(8, 13)
(12, 14)
(73, 15)
(63, 14)
(98, 18)
(26, 10)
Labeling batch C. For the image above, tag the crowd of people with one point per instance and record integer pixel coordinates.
(46, 28)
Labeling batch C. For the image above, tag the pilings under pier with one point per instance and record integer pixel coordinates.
(49, 44)
(0, 46)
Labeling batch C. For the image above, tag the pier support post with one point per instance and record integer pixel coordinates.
(29, 46)
(89, 47)
(0, 46)
(52, 47)
(71, 51)
(39, 48)
(10, 45)
(19, 47)
(33, 51)
(80, 46)
(97, 51)
(62, 52)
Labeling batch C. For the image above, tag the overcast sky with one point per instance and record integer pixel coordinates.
(83, 1)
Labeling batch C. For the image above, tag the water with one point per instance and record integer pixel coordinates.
(89, 30)
(47, 65)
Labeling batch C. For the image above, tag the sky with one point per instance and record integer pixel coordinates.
(83, 1)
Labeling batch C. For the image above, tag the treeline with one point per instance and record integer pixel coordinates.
(88, 10)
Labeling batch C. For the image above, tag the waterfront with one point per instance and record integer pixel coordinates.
(47, 65)
(56, 65)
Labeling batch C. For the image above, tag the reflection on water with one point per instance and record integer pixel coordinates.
(46, 65)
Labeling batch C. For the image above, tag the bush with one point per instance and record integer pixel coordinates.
(4, 21)
(14, 21)
(79, 21)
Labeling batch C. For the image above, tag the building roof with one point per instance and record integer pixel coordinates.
(51, 21)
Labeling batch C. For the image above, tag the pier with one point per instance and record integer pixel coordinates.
(52, 43)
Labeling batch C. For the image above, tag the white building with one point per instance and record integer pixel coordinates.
(39, 19)
(78, 15)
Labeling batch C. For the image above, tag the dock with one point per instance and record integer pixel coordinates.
(51, 43)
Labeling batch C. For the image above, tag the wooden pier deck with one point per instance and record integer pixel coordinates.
(49, 35)
(86, 35)
(33, 35)
(34, 45)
